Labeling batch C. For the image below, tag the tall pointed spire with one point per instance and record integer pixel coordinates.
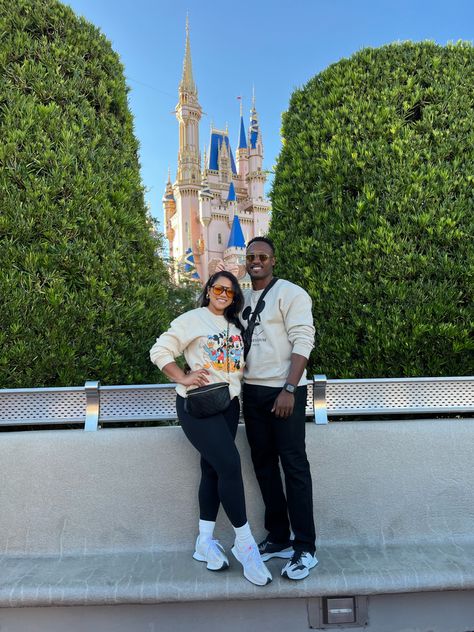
(188, 112)
(169, 188)
(242, 138)
(253, 129)
(187, 81)
(242, 151)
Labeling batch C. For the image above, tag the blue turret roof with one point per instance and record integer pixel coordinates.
(216, 139)
(242, 139)
(236, 237)
(231, 197)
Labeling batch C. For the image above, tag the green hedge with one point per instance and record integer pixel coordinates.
(373, 207)
(82, 293)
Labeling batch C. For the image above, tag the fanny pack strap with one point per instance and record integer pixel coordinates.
(253, 319)
(227, 352)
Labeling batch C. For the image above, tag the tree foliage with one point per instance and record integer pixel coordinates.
(373, 207)
(82, 293)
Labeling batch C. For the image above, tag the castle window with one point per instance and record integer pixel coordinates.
(219, 239)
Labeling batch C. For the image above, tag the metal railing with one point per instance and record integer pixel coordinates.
(392, 396)
(93, 404)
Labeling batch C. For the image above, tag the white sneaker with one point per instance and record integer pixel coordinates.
(254, 569)
(299, 565)
(212, 552)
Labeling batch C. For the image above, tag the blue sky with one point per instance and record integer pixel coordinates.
(274, 46)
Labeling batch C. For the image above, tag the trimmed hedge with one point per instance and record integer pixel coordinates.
(373, 210)
(82, 293)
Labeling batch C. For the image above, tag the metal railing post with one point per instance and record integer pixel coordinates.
(92, 405)
(319, 399)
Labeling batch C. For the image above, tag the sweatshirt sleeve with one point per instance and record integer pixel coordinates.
(299, 323)
(171, 344)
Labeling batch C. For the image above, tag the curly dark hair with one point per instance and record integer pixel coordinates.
(231, 312)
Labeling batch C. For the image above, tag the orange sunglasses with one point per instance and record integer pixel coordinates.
(220, 289)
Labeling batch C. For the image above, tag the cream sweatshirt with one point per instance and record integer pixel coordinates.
(201, 337)
(284, 326)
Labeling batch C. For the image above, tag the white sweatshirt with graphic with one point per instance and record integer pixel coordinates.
(201, 337)
(284, 326)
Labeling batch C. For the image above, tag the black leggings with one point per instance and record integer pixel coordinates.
(221, 475)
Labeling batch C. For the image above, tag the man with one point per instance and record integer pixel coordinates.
(274, 402)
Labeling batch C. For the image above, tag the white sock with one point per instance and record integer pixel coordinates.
(206, 529)
(243, 536)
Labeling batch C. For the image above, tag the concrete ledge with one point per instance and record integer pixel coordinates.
(145, 578)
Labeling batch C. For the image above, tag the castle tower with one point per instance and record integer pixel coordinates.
(242, 153)
(256, 176)
(211, 213)
(169, 205)
(188, 182)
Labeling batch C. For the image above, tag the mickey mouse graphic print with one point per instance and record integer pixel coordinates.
(221, 348)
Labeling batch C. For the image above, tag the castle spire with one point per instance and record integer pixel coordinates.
(169, 188)
(236, 237)
(187, 81)
(242, 151)
(253, 129)
(188, 112)
(256, 175)
(242, 139)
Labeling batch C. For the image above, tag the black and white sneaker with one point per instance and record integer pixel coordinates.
(299, 565)
(269, 549)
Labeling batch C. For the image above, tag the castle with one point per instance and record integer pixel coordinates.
(213, 211)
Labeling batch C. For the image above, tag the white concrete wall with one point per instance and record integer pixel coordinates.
(375, 483)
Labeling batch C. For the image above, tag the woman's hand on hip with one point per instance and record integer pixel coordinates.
(195, 378)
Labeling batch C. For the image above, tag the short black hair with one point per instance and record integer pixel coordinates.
(266, 240)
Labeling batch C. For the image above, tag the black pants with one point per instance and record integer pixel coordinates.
(272, 439)
(221, 475)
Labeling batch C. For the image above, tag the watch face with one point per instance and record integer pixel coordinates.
(290, 388)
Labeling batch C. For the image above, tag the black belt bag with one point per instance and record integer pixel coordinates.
(211, 399)
(208, 400)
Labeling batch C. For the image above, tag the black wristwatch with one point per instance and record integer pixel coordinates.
(289, 388)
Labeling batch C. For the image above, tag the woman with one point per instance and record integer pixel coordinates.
(210, 339)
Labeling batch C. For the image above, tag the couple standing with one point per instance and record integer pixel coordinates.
(274, 402)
